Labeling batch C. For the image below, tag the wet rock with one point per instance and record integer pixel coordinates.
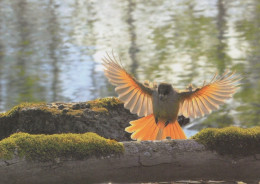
(61, 107)
(64, 111)
(76, 106)
(183, 120)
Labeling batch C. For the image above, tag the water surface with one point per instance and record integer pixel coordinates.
(50, 50)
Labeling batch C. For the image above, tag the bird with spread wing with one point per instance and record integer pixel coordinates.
(160, 105)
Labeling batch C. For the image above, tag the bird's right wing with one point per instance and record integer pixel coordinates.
(137, 97)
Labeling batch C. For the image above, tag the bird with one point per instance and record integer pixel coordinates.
(158, 105)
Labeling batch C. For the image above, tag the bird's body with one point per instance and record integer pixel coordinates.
(160, 105)
(165, 108)
(165, 103)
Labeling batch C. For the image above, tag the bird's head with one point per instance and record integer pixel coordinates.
(164, 90)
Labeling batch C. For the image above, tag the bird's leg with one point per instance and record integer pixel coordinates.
(166, 123)
(156, 120)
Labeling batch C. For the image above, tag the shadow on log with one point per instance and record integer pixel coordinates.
(147, 161)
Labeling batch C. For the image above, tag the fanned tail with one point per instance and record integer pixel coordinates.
(146, 129)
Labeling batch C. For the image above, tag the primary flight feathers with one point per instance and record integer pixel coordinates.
(136, 96)
(203, 100)
(141, 98)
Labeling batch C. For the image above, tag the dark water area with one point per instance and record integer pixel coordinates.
(51, 50)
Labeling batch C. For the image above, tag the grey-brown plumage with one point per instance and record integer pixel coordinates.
(165, 103)
(161, 104)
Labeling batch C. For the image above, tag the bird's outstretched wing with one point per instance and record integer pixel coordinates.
(135, 95)
(203, 100)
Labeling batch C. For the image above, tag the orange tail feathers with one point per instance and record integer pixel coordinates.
(146, 129)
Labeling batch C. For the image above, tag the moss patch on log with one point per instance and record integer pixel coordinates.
(50, 147)
(231, 140)
(98, 105)
(16, 108)
(101, 104)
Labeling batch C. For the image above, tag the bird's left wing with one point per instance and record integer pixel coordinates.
(203, 100)
(136, 96)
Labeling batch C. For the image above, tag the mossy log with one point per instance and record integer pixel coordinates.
(71, 158)
(148, 161)
(106, 117)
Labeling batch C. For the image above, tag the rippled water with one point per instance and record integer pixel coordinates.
(51, 50)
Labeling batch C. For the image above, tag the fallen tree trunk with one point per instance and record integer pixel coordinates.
(148, 161)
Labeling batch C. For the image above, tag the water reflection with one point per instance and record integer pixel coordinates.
(51, 50)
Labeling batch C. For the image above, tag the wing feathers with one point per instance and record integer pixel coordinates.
(137, 104)
(200, 106)
(207, 98)
(136, 96)
(135, 99)
(142, 109)
(203, 108)
(149, 105)
(130, 103)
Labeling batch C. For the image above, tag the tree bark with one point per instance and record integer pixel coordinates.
(147, 161)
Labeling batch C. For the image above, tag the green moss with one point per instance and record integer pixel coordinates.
(75, 112)
(7, 148)
(53, 110)
(98, 105)
(15, 109)
(231, 140)
(102, 104)
(99, 109)
(48, 147)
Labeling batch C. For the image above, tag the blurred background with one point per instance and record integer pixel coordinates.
(51, 50)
